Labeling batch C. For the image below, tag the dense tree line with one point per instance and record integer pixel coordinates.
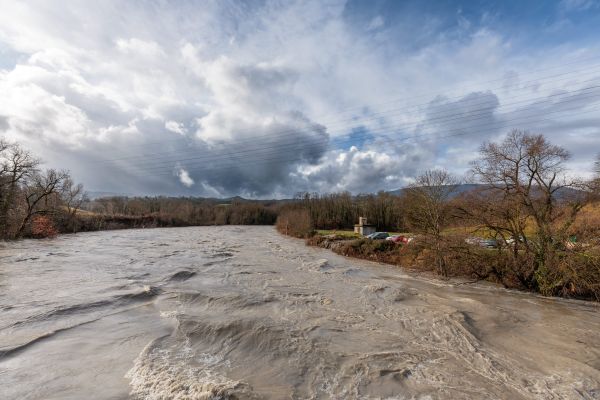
(182, 211)
(342, 210)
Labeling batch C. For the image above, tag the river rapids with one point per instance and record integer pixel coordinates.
(245, 313)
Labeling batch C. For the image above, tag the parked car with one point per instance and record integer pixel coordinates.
(487, 243)
(399, 239)
(378, 236)
(511, 240)
(472, 241)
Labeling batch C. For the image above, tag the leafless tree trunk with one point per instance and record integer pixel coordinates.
(72, 196)
(16, 166)
(595, 184)
(38, 193)
(525, 178)
(428, 211)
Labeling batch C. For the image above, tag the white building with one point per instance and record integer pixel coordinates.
(363, 227)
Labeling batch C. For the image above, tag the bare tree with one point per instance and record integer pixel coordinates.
(41, 194)
(526, 183)
(72, 196)
(16, 166)
(595, 184)
(428, 211)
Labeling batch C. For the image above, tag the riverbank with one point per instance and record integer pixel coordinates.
(411, 257)
(179, 215)
(467, 262)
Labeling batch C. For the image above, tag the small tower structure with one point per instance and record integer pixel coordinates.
(363, 227)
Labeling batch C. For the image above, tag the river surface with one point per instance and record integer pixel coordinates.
(244, 313)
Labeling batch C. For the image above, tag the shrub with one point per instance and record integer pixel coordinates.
(573, 274)
(43, 227)
(378, 250)
(295, 222)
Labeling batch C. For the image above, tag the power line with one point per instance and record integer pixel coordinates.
(537, 81)
(457, 132)
(358, 122)
(222, 160)
(462, 117)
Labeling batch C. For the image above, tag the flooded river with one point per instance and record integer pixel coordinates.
(244, 313)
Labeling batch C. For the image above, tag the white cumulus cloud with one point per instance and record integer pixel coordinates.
(175, 127)
(184, 178)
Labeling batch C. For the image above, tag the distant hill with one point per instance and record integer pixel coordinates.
(93, 195)
(468, 187)
(463, 188)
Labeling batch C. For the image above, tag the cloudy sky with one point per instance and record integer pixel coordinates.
(270, 98)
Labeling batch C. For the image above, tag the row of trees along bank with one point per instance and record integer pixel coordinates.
(37, 202)
(544, 222)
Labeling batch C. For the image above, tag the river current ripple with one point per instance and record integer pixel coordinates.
(244, 313)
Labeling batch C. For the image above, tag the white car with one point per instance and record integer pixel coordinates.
(378, 236)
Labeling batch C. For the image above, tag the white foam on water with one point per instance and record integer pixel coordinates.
(170, 314)
(176, 373)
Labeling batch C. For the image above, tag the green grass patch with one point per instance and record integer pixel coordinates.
(344, 233)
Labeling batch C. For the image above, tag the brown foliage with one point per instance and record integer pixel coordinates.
(295, 222)
(172, 211)
(43, 227)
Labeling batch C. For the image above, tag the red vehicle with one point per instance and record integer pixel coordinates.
(399, 239)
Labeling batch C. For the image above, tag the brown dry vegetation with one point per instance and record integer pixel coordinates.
(295, 222)
(33, 201)
(546, 227)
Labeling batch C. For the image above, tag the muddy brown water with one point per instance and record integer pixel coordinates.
(244, 313)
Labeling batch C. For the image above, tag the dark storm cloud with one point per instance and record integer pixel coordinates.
(262, 165)
(473, 114)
